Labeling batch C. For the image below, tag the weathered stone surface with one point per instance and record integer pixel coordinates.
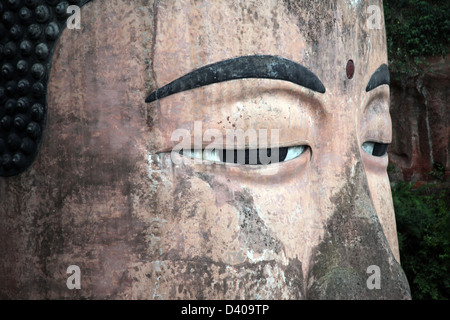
(421, 122)
(351, 242)
(106, 194)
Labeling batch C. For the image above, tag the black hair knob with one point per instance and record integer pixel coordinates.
(10, 106)
(23, 86)
(10, 50)
(37, 112)
(42, 13)
(27, 146)
(8, 18)
(6, 122)
(16, 31)
(34, 31)
(22, 67)
(7, 71)
(11, 87)
(14, 4)
(23, 104)
(20, 122)
(38, 89)
(61, 9)
(33, 130)
(52, 31)
(25, 15)
(7, 161)
(41, 51)
(37, 71)
(13, 141)
(19, 160)
(26, 48)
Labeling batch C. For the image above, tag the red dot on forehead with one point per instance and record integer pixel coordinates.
(350, 69)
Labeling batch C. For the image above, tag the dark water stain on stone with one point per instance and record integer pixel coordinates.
(319, 16)
(353, 241)
(181, 193)
(253, 230)
(294, 278)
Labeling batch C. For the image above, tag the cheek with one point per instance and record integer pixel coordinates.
(286, 210)
(202, 220)
(215, 214)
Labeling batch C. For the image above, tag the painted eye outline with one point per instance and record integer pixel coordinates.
(376, 149)
(211, 155)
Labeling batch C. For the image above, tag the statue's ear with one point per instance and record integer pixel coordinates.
(28, 31)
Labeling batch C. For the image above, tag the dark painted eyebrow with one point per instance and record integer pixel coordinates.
(257, 66)
(380, 76)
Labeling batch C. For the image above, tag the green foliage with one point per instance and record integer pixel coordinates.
(438, 171)
(391, 168)
(423, 225)
(416, 29)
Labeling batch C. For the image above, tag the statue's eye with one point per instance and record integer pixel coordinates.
(247, 156)
(375, 148)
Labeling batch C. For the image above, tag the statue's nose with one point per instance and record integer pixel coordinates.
(353, 259)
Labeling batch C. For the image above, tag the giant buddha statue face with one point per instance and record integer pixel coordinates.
(214, 149)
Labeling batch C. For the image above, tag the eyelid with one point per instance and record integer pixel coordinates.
(382, 94)
(376, 122)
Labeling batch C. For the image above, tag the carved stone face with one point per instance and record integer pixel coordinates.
(109, 196)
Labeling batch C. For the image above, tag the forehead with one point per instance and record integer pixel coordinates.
(321, 36)
(168, 39)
